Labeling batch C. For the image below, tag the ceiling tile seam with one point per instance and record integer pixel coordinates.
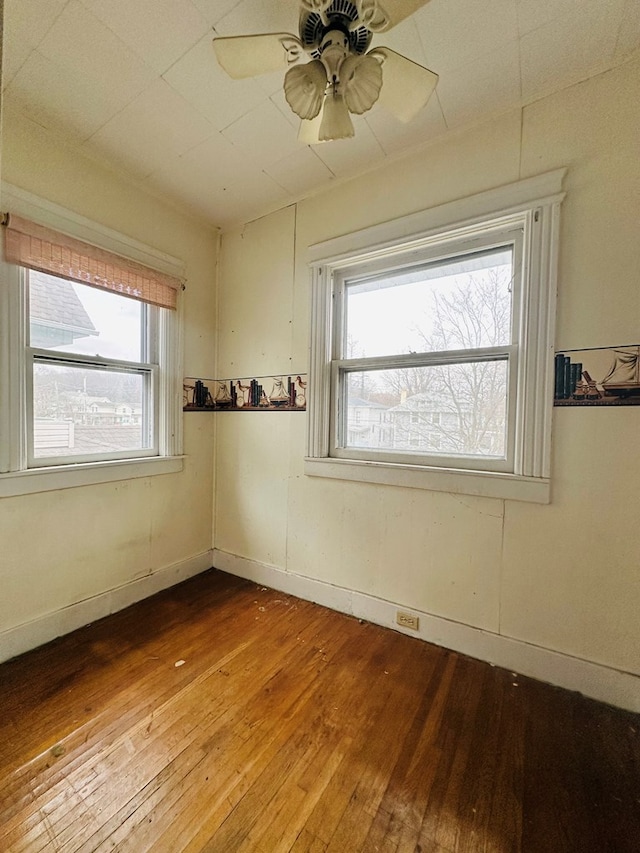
(244, 115)
(82, 139)
(248, 156)
(101, 23)
(182, 55)
(444, 117)
(175, 152)
(53, 23)
(551, 21)
(201, 113)
(277, 105)
(521, 142)
(9, 81)
(619, 34)
(375, 136)
(480, 59)
(520, 86)
(192, 105)
(118, 112)
(320, 160)
(292, 196)
(569, 82)
(33, 49)
(425, 52)
(191, 148)
(129, 49)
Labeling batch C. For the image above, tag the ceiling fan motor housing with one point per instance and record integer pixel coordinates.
(341, 15)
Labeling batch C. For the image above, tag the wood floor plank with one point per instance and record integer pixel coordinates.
(234, 731)
(287, 728)
(321, 694)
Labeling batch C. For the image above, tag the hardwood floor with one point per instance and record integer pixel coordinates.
(224, 717)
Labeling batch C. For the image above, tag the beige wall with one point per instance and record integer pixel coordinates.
(563, 577)
(60, 548)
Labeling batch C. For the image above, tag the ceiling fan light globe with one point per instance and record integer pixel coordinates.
(361, 82)
(304, 87)
(336, 121)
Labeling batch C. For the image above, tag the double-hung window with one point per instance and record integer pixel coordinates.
(89, 362)
(446, 337)
(91, 373)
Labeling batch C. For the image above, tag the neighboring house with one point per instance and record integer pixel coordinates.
(433, 423)
(365, 423)
(425, 422)
(100, 411)
(57, 314)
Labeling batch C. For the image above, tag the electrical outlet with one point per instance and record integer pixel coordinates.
(407, 620)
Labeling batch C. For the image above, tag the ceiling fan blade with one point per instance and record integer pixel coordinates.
(248, 56)
(406, 86)
(380, 15)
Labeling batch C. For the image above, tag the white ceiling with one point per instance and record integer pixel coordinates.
(135, 84)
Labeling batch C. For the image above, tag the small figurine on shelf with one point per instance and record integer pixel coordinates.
(580, 392)
(223, 397)
(242, 394)
(592, 389)
(278, 396)
(301, 393)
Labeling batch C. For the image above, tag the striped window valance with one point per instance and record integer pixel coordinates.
(39, 248)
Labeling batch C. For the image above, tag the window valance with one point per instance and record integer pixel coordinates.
(39, 248)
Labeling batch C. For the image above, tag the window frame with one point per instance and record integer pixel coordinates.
(532, 205)
(508, 232)
(20, 473)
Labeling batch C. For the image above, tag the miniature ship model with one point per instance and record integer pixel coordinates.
(223, 397)
(623, 380)
(279, 395)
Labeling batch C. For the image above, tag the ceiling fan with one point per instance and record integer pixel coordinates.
(342, 75)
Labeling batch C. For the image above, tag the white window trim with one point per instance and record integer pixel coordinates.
(20, 480)
(505, 230)
(535, 201)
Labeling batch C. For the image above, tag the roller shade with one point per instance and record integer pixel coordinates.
(39, 248)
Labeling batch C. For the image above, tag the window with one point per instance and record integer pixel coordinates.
(429, 337)
(448, 333)
(92, 373)
(88, 371)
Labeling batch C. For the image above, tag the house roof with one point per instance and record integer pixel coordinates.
(53, 302)
(428, 402)
(359, 403)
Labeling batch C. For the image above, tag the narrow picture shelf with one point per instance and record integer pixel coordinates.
(278, 393)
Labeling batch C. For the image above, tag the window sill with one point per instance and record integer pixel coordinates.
(479, 483)
(85, 474)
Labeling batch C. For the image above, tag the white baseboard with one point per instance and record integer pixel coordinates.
(29, 635)
(597, 681)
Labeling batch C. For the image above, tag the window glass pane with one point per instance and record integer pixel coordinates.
(79, 411)
(461, 303)
(71, 317)
(450, 410)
